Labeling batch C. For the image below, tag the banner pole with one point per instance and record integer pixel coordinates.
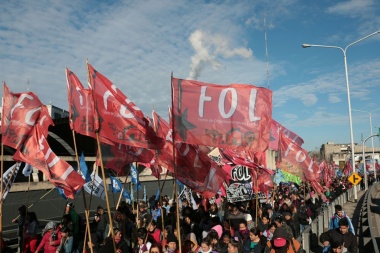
(175, 170)
(2, 168)
(86, 210)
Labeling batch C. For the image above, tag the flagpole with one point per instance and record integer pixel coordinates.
(102, 167)
(175, 169)
(158, 181)
(137, 200)
(121, 193)
(2, 167)
(86, 210)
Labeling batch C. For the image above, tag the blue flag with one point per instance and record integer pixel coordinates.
(157, 195)
(135, 177)
(60, 192)
(83, 167)
(144, 197)
(279, 177)
(116, 186)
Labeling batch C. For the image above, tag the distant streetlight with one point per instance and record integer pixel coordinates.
(348, 93)
(364, 165)
(373, 146)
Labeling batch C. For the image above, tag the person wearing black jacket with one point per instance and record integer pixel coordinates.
(341, 234)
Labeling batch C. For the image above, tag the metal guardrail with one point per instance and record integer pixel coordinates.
(369, 203)
(309, 237)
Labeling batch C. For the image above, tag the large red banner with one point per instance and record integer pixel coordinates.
(232, 116)
(20, 113)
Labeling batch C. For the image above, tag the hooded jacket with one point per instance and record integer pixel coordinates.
(191, 237)
(334, 222)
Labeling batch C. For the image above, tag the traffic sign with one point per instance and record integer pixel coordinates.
(354, 178)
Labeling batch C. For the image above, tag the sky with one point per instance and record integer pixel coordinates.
(139, 44)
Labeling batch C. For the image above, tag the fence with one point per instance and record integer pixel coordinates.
(309, 237)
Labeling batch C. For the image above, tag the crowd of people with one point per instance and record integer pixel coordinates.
(269, 225)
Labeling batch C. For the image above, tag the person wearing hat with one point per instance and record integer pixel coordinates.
(50, 238)
(172, 246)
(282, 242)
(144, 217)
(20, 220)
(74, 219)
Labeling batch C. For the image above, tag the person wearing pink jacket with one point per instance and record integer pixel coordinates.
(51, 238)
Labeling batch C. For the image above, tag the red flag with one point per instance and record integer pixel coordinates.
(118, 119)
(154, 167)
(118, 157)
(20, 113)
(80, 106)
(298, 157)
(194, 168)
(235, 116)
(36, 152)
(275, 129)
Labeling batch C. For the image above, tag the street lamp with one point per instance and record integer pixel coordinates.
(348, 93)
(373, 146)
(364, 165)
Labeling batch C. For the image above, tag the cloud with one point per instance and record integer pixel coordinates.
(208, 48)
(361, 80)
(352, 8)
(334, 98)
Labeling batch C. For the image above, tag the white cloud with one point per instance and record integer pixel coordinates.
(352, 7)
(334, 98)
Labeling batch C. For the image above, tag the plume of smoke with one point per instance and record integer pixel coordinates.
(208, 48)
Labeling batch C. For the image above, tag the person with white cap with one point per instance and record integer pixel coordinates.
(250, 223)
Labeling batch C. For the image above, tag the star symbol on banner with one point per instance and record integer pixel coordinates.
(182, 125)
(75, 113)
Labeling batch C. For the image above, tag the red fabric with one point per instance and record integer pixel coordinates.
(275, 129)
(155, 168)
(36, 152)
(235, 116)
(194, 168)
(45, 243)
(118, 157)
(347, 168)
(80, 106)
(20, 113)
(30, 244)
(117, 118)
(298, 157)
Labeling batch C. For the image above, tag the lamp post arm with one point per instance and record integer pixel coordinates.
(370, 35)
(364, 162)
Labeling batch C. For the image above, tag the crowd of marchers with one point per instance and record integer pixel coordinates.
(269, 224)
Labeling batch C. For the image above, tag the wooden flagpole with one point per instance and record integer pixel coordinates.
(137, 198)
(103, 173)
(158, 181)
(86, 210)
(175, 169)
(2, 168)
(121, 193)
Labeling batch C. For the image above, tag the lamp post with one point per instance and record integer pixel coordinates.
(364, 165)
(348, 94)
(373, 146)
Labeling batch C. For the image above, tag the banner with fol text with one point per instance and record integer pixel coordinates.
(235, 116)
